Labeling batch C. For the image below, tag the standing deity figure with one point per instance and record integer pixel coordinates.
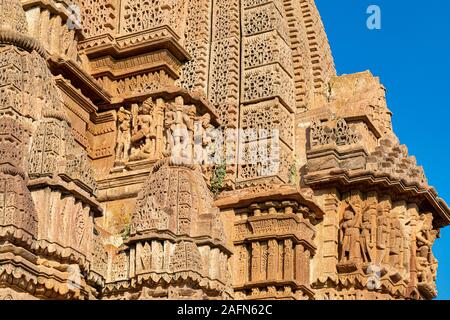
(383, 231)
(145, 133)
(425, 237)
(350, 237)
(396, 244)
(123, 135)
(188, 117)
(169, 129)
(203, 139)
(367, 235)
(179, 129)
(424, 257)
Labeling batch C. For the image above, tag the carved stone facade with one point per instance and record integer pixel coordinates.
(200, 149)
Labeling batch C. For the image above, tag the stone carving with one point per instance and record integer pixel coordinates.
(141, 15)
(339, 134)
(98, 17)
(380, 243)
(114, 129)
(123, 135)
(350, 238)
(144, 133)
(425, 261)
(157, 128)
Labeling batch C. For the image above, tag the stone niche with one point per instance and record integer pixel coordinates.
(200, 149)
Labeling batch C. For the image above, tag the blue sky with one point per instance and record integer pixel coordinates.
(410, 53)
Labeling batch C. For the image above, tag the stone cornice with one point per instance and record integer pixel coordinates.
(243, 200)
(135, 44)
(119, 68)
(170, 236)
(80, 79)
(70, 187)
(154, 279)
(75, 94)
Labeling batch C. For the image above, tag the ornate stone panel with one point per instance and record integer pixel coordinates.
(195, 149)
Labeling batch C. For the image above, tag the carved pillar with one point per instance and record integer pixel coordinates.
(197, 42)
(326, 258)
(224, 75)
(272, 259)
(267, 95)
(289, 253)
(256, 261)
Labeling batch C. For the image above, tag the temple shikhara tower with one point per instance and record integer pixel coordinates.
(200, 149)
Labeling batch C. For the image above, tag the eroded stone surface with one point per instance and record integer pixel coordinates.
(116, 182)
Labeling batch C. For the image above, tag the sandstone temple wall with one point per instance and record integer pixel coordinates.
(194, 149)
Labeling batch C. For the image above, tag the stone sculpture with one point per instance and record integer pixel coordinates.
(200, 149)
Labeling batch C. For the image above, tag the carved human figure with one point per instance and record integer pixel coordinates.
(123, 135)
(367, 235)
(383, 228)
(396, 244)
(425, 237)
(350, 237)
(144, 138)
(424, 256)
(203, 138)
(179, 128)
(187, 131)
(169, 129)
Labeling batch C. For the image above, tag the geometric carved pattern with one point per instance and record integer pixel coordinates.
(16, 205)
(263, 159)
(262, 119)
(197, 36)
(170, 201)
(264, 18)
(134, 94)
(339, 134)
(267, 48)
(98, 17)
(144, 15)
(267, 82)
(12, 16)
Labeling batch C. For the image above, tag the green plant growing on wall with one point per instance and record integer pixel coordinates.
(293, 173)
(217, 179)
(126, 231)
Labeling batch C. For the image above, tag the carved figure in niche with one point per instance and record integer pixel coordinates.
(123, 135)
(179, 129)
(368, 235)
(425, 237)
(396, 244)
(425, 274)
(144, 137)
(350, 236)
(203, 139)
(383, 226)
(187, 128)
(169, 128)
(426, 262)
